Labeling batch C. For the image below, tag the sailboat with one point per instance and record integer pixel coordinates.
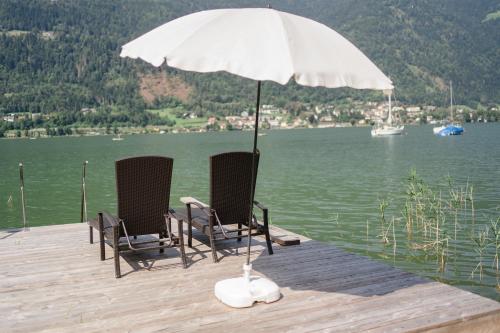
(388, 128)
(451, 128)
(118, 138)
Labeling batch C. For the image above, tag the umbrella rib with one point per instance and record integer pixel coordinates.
(286, 39)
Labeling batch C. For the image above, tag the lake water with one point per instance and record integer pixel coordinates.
(324, 183)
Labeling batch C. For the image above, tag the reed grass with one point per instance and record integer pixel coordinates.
(437, 217)
(471, 198)
(10, 203)
(481, 241)
(495, 241)
(383, 204)
(394, 241)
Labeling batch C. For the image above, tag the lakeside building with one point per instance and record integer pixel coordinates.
(240, 123)
(87, 111)
(211, 121)
(14, 117)
(10, 118)
(326, 124)
(414, 111)
(269, 109)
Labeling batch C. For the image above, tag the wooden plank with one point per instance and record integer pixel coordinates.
(51, 280)
(488, 322)
(279, 236)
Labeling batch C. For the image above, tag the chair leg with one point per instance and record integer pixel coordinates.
(266, 231)
(181, 243)
(116, 240)
(268, 241)
(91, 235)
(161, 243)
(239, 231)
(212, 245)
(101, 239)
(212, 240)
(190, 226)
(190, 234)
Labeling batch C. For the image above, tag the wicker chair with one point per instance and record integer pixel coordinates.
(230, 181)
(143, 188)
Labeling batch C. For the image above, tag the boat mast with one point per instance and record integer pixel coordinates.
(451, 101)
(389, 119)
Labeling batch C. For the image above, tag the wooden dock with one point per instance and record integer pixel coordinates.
(51, 280)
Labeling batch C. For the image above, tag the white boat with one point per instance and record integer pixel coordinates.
(438, 129)
(388, 128)
(449, 128)
(117, 138)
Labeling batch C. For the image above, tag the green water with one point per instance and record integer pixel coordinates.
(324, 183)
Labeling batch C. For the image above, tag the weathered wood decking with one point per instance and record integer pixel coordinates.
(51, 280)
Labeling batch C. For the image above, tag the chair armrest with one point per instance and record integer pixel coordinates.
(201, 205)
(109, 220)
(110, 225)
(260, 206)
(265, 212)
(193, 201)
(172, 214)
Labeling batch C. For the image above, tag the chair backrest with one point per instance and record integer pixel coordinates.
(143, 189)
(230, 185)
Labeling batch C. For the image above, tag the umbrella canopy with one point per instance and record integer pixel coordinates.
(260, 44)
(263, 45)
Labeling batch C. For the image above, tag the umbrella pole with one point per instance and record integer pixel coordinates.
(257, 108)
(245, 290)
(252, 189)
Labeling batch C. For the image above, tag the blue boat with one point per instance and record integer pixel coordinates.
(449, 129)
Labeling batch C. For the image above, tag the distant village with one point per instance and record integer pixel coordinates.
(327, 116)
(271, 117)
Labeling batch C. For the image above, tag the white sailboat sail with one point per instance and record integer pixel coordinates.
(388, 128)
(389, 119)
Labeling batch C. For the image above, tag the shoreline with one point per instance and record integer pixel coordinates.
(148, 131)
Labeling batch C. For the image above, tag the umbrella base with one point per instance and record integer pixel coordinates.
(243, 292)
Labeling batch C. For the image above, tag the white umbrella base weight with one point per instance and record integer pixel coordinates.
(244, 291)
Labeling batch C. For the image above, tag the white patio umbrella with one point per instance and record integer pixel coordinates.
(261, 44)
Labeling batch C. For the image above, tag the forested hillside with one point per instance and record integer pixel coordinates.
(63, 56)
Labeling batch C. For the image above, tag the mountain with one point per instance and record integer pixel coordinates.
(62, 56)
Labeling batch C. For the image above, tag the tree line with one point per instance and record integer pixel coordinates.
(63, 56)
